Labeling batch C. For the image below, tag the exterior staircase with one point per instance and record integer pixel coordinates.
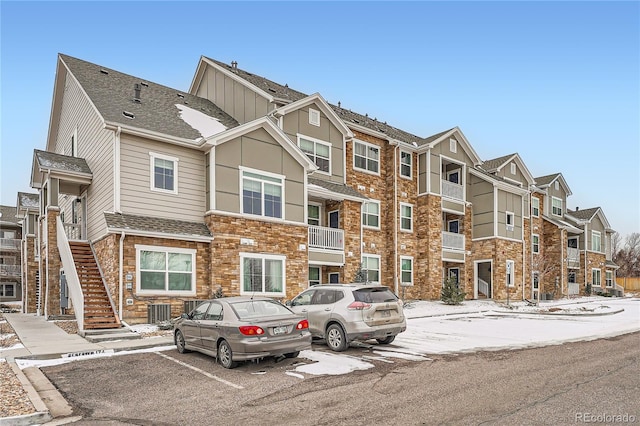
(98, 310)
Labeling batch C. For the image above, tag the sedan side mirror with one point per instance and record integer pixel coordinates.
(288, 303)
(185, 316)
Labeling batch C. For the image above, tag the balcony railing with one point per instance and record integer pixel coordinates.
(573, 257)
(326, 238)
(451, 240)
(73, 231)
(10, 270)
(574, 289)
(12, 244)
(452, 190)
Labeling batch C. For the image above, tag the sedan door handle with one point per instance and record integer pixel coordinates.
(304, 310)
(327, 309)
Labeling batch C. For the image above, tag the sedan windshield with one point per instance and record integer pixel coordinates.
(259, 308)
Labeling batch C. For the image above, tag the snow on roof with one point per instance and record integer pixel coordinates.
(203, 123)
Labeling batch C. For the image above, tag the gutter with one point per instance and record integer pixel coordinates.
(120, 288)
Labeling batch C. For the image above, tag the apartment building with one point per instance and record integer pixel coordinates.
(152, 198)
(10, 255)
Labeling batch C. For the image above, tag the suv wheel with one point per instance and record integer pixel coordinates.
(336, 339)
(386, 340)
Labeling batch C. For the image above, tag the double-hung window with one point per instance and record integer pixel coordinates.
(406, 270)
(166, 270)
(406, 217)
(371, 267)
(595, 278)
(536, 243)
(366, 157)
(262, 274)
(556, 206)
(510, 220)
(535, 206)
(609, 278)
(313, 214)
(371, 214)
(164, 173)
(405, 164)
(319, 152)
(262, 193)
(596, 240)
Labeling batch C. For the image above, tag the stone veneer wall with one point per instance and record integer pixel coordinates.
(107, 253)
(596, 261)
(554, 241)
(269, 238)
(499, 251)
(51, 264)
(350, 222)
(428, 263)
(29, 269)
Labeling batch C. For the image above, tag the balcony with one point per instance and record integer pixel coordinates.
(10, 270)
(573, 257)
(73, 231)
(452, 241)
(324, 238)
(9, 244)
(452, 190)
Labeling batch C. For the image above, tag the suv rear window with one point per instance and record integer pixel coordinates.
(374, 295)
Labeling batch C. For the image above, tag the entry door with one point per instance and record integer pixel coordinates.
(535, 288)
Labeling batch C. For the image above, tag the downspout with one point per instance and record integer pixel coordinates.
(395, 220)
(563, 264)
(120, 289)
(586, 226)
(116, 170)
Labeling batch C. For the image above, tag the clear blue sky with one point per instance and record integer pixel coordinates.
(557, 82)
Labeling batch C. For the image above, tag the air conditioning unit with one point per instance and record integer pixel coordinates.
(158, 313)
(190, 305)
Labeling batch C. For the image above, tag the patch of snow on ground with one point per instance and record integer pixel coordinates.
(330, 363)
(143, 328)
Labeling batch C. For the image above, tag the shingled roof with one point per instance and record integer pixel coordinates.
(491, 165)
(583, 214)
(113, 94)
(62, 163)
(543, 181)
(117, 221)
(28, 200)
(287, 94)
(338, 188)
(8, 215)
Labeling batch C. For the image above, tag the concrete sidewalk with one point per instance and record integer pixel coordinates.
(43, 339)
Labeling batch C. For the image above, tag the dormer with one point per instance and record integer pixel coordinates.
(511, 169)
(556, 192)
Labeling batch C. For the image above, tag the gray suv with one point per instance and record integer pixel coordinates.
(342, 313)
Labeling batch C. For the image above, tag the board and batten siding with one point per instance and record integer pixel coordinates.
(483, 207)
(509, 202)
(443, 150)
(137, 198)
(257, 150)
(297, 122)
(95, 145)
(232, 97)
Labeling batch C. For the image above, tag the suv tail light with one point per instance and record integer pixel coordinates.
(358, 306)
(302, 325)
(251, 330)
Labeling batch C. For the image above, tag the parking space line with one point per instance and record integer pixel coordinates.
(211, 376)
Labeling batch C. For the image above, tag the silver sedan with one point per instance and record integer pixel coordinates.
(241, 328)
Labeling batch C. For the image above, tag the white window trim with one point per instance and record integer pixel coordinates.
(449, 222)
(453, 145)
(376, 256)
(593, 284)
(314, 117)
(264, 257)
(454, 269)
(453, 172)
(510, 227)
(319, 213)
(152, 183)
(404, 283)
(411, 218)
(593, 238)
(166, 249)
(316, 141)
(6, 284)
(405, 164)
(268, 174)
(535, 204)
(513, 168)
(319, 275)
(533, 244)
(512, 273)
(363, 213)
(561, 206)
(608, 279)
(330, 274)
(367, 144)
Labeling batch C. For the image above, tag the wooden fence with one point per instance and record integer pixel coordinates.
(629, 283)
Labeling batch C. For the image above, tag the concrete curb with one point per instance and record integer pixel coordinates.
(42, 414)
(561, 314)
